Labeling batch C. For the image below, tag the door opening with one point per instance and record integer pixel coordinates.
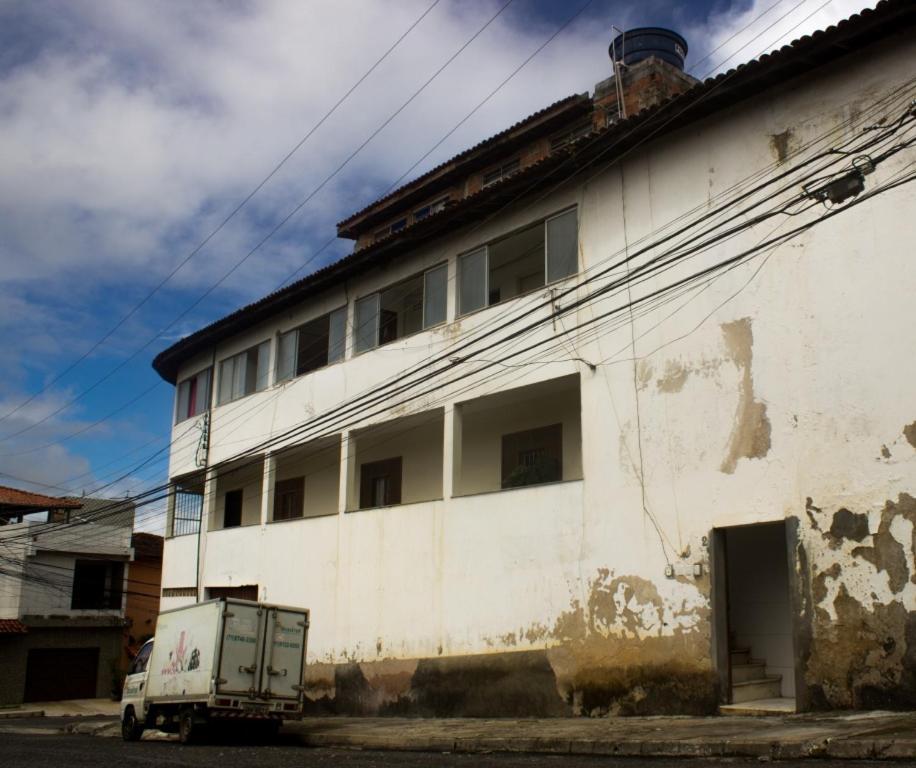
(753, 645)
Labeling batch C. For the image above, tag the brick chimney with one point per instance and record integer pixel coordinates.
(649, 69)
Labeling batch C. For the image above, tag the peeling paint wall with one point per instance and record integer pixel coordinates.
(781, 390)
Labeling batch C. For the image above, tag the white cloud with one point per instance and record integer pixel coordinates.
(129, 130)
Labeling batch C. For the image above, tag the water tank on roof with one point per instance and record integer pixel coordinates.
(641, 43)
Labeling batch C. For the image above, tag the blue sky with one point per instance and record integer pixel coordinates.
(128, 130)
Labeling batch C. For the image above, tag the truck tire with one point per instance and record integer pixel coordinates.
(131, 729)
(188, 727)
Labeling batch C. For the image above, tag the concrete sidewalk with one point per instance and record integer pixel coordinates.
(871, 735)
(69, 708)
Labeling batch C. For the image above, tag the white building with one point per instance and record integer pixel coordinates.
(612, 412)
(63, 584)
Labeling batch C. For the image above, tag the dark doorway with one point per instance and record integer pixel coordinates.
(752, 615)
(55, 674)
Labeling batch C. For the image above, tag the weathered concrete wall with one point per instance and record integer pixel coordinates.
(857, 606)
(783, 379)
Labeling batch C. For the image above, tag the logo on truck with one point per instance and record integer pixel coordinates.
(180, 658)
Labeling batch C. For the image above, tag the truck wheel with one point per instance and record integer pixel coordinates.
(131, 730)
(188, 729)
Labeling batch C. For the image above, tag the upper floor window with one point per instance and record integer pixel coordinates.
(429, 210)
(504, 171)
(97, 585)
(565, 137)
(311, 346)
(400, 310)
(193, 396)
(244, 373)
(395, 226)
(521, 262)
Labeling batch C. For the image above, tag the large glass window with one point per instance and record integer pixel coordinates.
(313, 345)
(193, 395)
(97, 585)
(401, 309)
(244, 373)
(519, 263)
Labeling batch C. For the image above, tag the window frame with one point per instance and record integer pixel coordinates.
(377, 296)
(267, 343)
(432, 208)
(205, 402)
(296, 329)
(485, 247)
(284, 488)
(515, 164)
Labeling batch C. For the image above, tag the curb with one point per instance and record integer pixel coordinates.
(19, 713)
(851, 748)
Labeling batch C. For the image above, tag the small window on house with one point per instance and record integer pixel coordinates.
(532, 457)
(380, 483)
(97, 585)
(396, 226)
(289, 498)
(244, 373)
(564, 138)
(429, 210)
(232, 509)
(504, 171)
(519, 263)
(193, 396)
(401, 310)
(311, 346)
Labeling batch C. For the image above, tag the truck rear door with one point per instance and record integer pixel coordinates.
(242, 649)
(286, 635)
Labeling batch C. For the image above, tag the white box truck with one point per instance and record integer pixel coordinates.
(217, 660)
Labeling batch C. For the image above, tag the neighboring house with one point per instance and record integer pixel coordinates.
(142, 604)
(63, 570)
(530, 450)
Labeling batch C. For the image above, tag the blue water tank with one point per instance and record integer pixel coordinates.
(641, 43)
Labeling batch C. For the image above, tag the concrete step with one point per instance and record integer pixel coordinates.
(760, 707)
(753, 670)
(764, 688)
(740, 656)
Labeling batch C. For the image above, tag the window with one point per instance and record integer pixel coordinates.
(188, 506)
(533, 456)
(244, 373)
(567, 136)
(289, 496)
(429, 210)
(521, 262)
(97, 585)
(396, 226)
(504, 171)
(380, 483)
(400, 310)
(193, 395)
(141, 660)
(232, 510)
(311, 346)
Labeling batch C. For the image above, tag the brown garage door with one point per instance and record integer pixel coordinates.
(53, 674)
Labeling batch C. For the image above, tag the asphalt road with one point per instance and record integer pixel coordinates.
(43, 750)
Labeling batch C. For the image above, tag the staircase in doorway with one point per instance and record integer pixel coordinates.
(754, 692)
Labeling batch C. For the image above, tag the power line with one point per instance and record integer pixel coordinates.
(227, 219)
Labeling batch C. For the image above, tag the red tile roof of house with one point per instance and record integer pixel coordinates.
(12, 627)
(16, 497)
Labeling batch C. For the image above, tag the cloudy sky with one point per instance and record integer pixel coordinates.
(129, 130)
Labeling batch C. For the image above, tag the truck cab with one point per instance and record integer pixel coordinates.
(132, 712)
